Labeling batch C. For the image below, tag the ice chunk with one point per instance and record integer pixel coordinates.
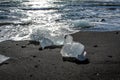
(82, 57)
(44, 42)
(81, 24)
(73, 49)
(51, 40)
(39, 34)
(57, 39)
(3, 58)
(47, 38)
(68, 39)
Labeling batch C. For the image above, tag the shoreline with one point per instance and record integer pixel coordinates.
(29, 62)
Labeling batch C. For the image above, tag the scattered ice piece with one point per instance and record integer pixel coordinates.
(81, 24)
(3, 58)
(51, 40)
(82, 57)
(73, 49)
(39, 34)
(68, 39)
(44, 42)
(58, 39)
(47, 38)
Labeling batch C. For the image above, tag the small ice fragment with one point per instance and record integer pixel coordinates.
(51, 40)
(68, 39)
(81, 23)
(73, 49)
(47, 38)
(39, 34)
(3, 58)
(82, 57)
(44, 42)
(57, 39)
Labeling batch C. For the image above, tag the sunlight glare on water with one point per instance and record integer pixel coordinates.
(19, 19)
(40, 15)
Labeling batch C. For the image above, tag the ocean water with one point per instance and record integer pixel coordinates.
(19, 19)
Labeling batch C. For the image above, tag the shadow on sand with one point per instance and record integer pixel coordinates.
(74, 60)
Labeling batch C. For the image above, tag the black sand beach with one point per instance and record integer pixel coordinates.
(29, 62)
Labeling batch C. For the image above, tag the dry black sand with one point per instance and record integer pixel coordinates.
(29, 62)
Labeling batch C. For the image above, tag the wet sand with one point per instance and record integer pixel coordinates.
(29, 62)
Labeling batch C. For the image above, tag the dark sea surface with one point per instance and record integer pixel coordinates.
(19, 19)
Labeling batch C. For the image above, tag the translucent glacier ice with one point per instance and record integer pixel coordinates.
(3, 58)
(44, 42)
(51, 40)
(73, 49)
(47, 38)
(81, 24)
